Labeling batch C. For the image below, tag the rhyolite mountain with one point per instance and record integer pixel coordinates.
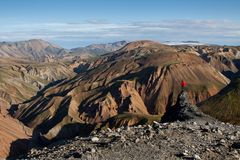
(140, 80)
(40, 50)
(34, 49)
(225, 106)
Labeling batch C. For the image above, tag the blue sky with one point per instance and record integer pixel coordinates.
(73, 23)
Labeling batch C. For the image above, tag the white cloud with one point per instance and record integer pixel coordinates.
(205, 30)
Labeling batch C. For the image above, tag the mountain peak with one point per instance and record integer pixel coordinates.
(140, 44)
(36, 49)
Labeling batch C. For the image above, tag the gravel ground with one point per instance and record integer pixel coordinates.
(177, 140)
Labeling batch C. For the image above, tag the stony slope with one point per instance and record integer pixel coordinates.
(225, 106)
(193, 140)
(142, 78)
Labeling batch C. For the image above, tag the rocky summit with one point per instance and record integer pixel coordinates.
(192, 135)
(177, 140)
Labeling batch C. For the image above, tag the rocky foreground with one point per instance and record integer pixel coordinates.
(178, 140)
(197, 136)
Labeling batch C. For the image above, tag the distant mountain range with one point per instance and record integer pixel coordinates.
(40, 50)
(34, 49)
(98, 49)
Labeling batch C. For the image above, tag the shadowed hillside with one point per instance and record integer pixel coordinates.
(225, 106)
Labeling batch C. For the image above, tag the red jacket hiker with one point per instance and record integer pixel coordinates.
(183, 84)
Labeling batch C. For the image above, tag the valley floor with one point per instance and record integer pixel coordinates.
(177, 140)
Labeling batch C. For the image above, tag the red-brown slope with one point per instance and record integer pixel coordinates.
(10, 131)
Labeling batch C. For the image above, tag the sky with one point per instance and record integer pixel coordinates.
(75, 23)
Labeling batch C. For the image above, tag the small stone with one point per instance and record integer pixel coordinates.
(197, 157)
(128, 128)
(237, 156)
(205, 128)
(33, 151)
(237, 133)
(93, 132)
(155, 122)
(222, 141)
(219, 132)
(235, 152)
(184, 153)
(95, 139)
(151, 135)
(123, 139)
(93, 150)
(102, 131)
(155, 125)
(77, 137)
(231, 137)
(128, 144)
(109, 130)
(118, 129)
(137, 140)
(149, 127)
